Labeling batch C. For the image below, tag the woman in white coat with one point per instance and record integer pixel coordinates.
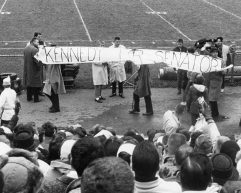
(100, 78)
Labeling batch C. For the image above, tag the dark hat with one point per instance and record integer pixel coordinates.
(223, 169)
(24, 139)
(203, 144)
(230, 148)
(180, 40)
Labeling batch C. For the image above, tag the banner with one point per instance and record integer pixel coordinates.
(178, 60)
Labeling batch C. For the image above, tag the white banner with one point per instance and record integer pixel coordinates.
(179, 60)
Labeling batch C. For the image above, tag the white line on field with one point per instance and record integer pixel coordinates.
(218, 7)
(3, 6)
(81, 18)
(178, 30)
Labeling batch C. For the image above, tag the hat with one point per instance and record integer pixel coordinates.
(17, 173)
(7, 81)
(104, 132)
(24, 139)
(223, 169)
(66, 149)
(203, 144)
(180, 40)
(126, 147)
(230, 148)
(174, 142)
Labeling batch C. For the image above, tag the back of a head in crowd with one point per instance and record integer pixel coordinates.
(180, 109)
(219, 143)
(145, 161)
(196, 172)
(175, 140)
(223, 169)
(117, 38)
(84, 151)
(230, 148)
(185, 132)
(49, 129)
(20, 172)
(219, 39)
(194, 136)
(107, 175)
(182, 153)
(112, 145)
(55, 145)
(180, 41)
(36, 34)
(199, 79)
(203, 145)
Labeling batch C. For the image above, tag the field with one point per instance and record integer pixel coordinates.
(139, 23)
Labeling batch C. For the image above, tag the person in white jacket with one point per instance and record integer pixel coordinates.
(117, 71)
(8, 100)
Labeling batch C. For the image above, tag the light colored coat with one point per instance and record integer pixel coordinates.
(117, 69)
(225, 51)
(8, 99)
(99, 74)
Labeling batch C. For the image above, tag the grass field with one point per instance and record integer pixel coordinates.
(139, 23)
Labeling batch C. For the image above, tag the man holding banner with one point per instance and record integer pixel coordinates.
(117, 71)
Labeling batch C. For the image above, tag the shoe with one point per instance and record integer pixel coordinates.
(133, 112)
(113, 94)
(101, 98)
(53, 110)
(51, 107)
(147, 114)
(122, 96)
(98, 100)
(222, 90)
(179, 92)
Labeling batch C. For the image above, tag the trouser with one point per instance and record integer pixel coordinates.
(120, 86)
(98, 89)
(136, 105)
(181, 79)
(214, 108)
(54, 98)
(223, 84)
(33, 92)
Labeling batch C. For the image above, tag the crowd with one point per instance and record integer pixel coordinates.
(170, 159)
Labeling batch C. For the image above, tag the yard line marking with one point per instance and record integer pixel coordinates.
(81, 18)
(3, 6)
(218, 7)
(178, 30)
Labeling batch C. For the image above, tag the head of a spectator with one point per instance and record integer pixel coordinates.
(185, 132)
(107, 175)
(84, 151)
(179, 110)
(130, 132)
(175, 140)
(24, 137)
(214, 52)
(7, 82)
(49, 129)
(55, 145)
(151, 134)
(112, 145)
(203, 145)
(219, 143)
(145, 161)
(37, 35)
(199, 79)
(194, 136)
(35, 42)
(138, 138)
(116, 41)
(219, 41)
(179, 43)
(230, 148)
(96, 129)
(196, 172)
(125, 151)
(21, 172)
(223, 169)
(65, 150)
(182, 153)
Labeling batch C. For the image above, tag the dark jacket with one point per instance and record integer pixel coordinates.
(32, 73)
(143, 87)
(196, 91)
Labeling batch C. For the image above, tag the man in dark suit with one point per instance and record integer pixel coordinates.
(32, 77)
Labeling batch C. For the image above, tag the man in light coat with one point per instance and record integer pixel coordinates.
(100, 78)
(117, 71)
(8, 100)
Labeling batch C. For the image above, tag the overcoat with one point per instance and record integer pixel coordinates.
(32, 73)
(99, 74)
